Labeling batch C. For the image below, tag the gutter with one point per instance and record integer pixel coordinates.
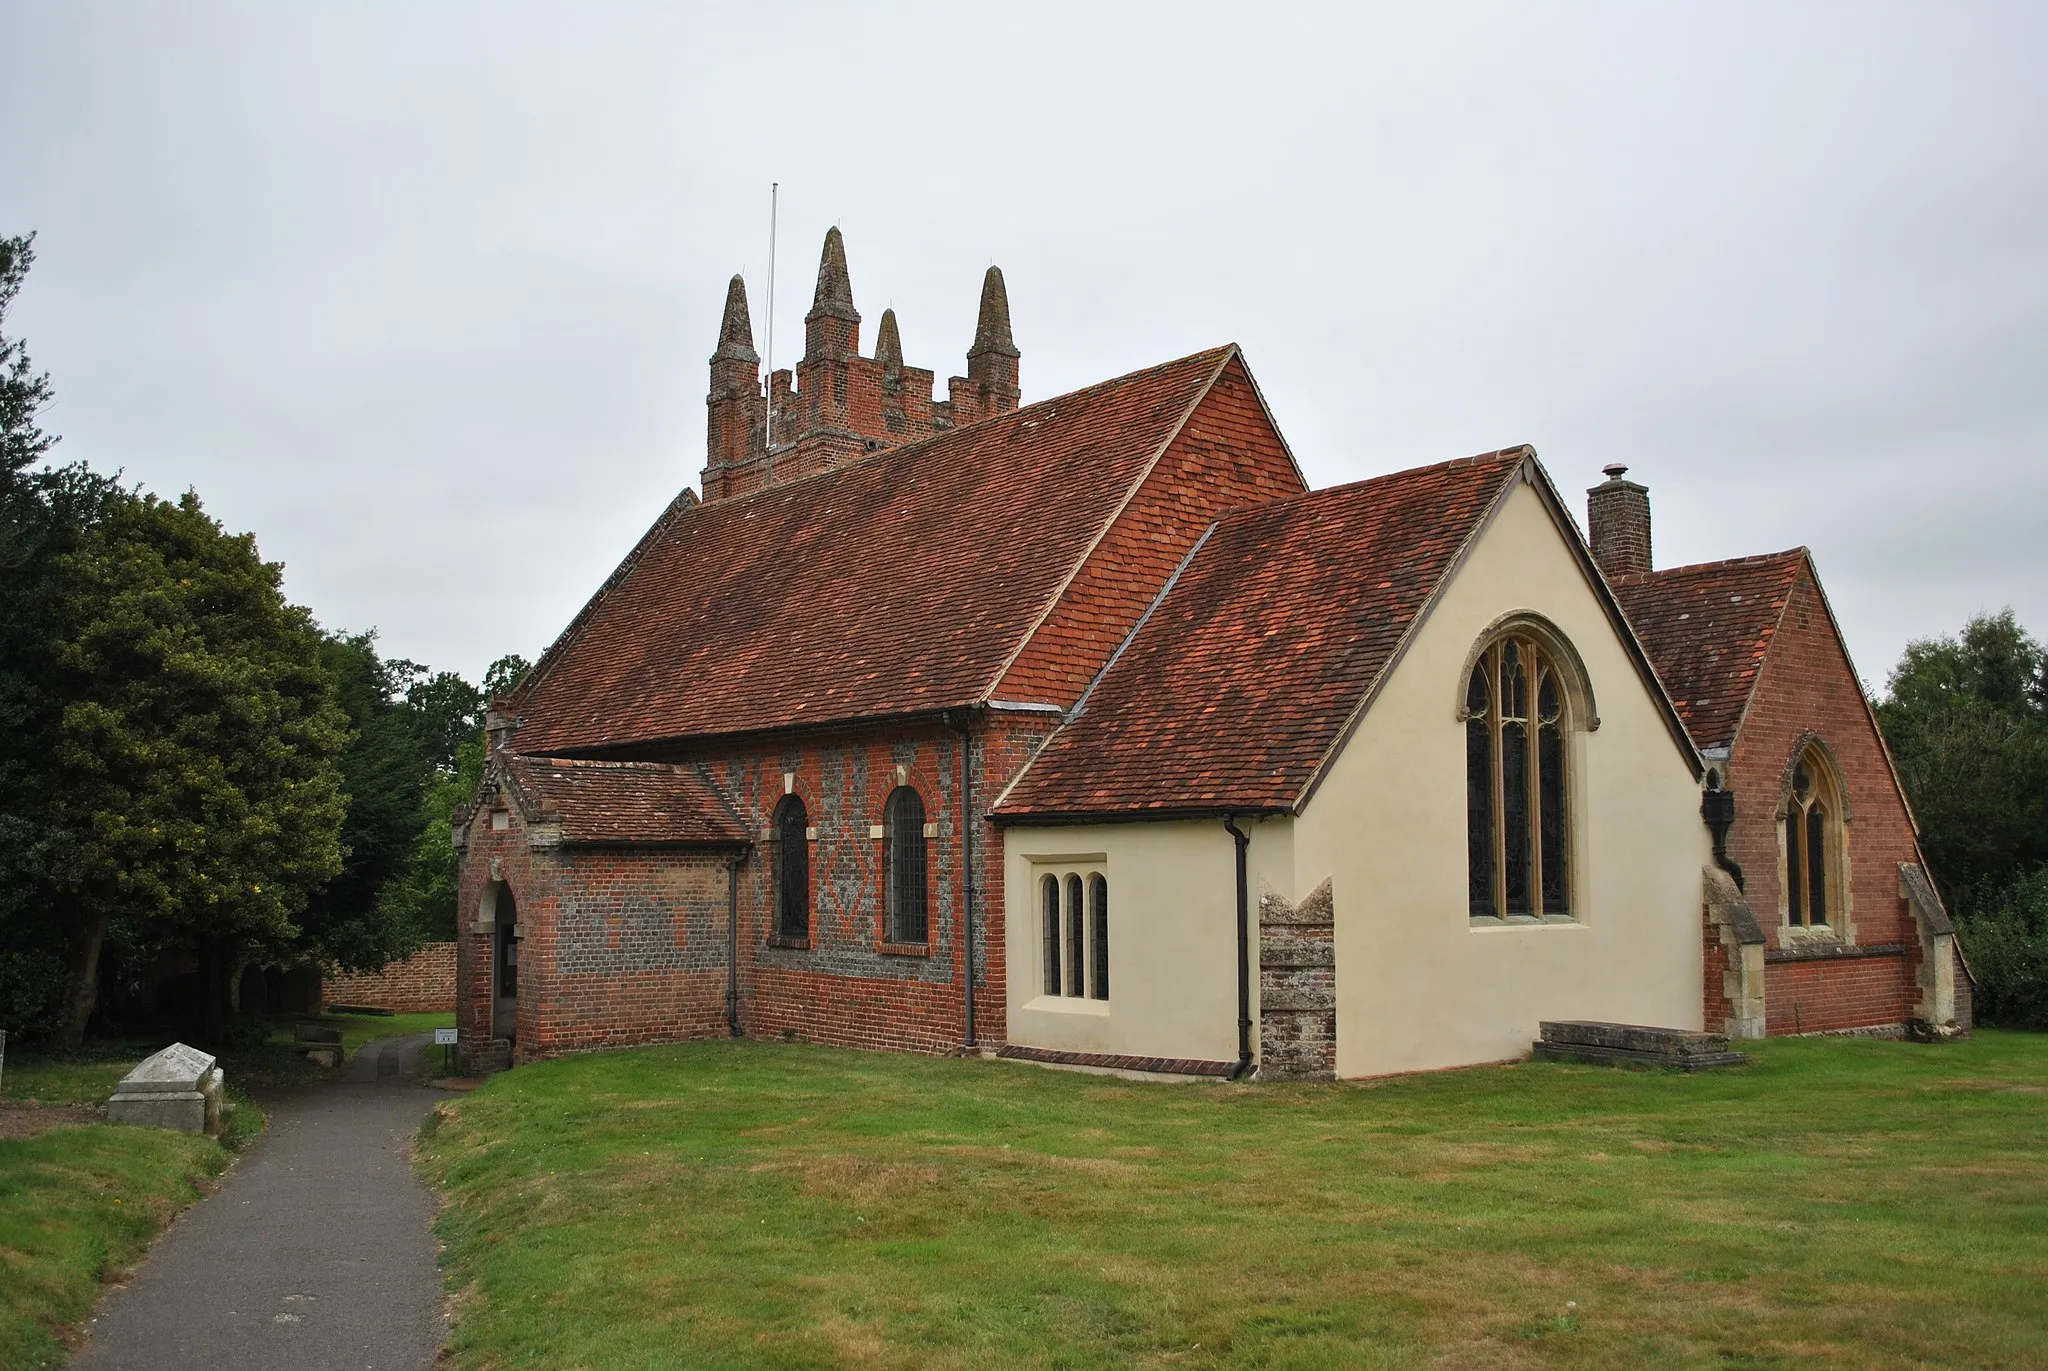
(1244, 954)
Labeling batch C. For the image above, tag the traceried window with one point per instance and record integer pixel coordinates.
(792, 869)
(1812, 828)
(1517, 793)
(1073, 917)
(903, 833)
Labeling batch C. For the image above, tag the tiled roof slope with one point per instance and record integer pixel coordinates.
(899, 583)
(1707, 628)
(1246, 672)
(622, 802)
(1227, 454)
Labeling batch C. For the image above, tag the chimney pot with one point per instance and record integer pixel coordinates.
(1614, 471)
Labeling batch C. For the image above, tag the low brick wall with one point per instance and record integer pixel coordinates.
(423, 983)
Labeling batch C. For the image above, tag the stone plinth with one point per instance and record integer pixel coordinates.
(177, 1088)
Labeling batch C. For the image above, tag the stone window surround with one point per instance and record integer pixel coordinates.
(1579, 717)
(1840, 931)
(1059, 867)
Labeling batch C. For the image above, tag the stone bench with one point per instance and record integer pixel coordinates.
(1624, 1044)
(178, 1088)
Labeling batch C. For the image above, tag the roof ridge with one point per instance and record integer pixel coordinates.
(1753, 559)
(1506, 456)
(865, 459)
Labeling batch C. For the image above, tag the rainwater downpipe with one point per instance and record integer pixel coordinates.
(1244, 954)
(966, 866)
(732, 945)
(1717, 809)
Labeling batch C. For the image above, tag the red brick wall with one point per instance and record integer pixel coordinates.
(1808, 689)
(1828, 996)
(423, 983)
(1227, 455)
(1715, 1007)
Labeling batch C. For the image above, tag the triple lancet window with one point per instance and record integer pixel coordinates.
(909, 919)
(792, 869)
(1812, 823)
(1074, 933)
(1517, 792)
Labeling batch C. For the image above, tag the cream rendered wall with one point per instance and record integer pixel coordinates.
(1418, 985)
(1172, 935)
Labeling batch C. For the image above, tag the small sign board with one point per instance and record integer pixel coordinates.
(444, 1037)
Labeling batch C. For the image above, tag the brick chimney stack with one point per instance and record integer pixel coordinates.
(1618, 522)
(839, 405)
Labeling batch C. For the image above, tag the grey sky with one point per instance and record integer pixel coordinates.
(422, 294)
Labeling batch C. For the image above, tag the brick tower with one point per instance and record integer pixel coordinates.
(840, 404)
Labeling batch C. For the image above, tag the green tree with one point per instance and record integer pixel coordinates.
(1967, 721)
(201, 801)
(43, 513)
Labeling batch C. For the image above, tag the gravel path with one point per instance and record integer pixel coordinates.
(315, 1252)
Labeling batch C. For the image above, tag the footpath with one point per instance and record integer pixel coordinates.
(315, 1253)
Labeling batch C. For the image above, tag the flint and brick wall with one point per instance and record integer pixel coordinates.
(619, 948)
(423, 983)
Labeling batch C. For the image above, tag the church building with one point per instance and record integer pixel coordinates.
(1084, 732)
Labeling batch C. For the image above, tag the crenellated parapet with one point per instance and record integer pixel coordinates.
(837, 405)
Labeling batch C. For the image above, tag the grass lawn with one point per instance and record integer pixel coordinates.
(76, 1203)
(1841, 1203)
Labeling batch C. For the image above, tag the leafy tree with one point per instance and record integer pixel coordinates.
(1967, 720)
(42, 515)
(503, 676)
(201, 801)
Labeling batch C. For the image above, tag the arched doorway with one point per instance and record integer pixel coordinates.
(504, 964)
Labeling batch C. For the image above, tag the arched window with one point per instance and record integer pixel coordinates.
(1049, 889)
(792, 868)
(1813, 819)
(903, 833)
(1074, 933)
(1077, 945)
(1098, 913)
(1517, 796)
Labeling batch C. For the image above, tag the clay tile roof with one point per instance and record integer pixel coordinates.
(900, 583)
(631, 803)
(1246, 673)
(1706, 628)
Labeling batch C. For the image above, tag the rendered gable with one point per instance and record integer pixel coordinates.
(1419, 985)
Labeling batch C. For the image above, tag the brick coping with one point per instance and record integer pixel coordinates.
(1832, 952)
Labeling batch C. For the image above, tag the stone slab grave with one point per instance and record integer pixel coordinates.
(319, 1043)
(177, 1088)
(1626, 1044)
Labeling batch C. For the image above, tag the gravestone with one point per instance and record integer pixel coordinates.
(177, 1088)
(1627, 1044)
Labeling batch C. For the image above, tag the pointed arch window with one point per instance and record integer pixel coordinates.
(1517, 709)
(909, 918)
(792, 869)
(1812, 837)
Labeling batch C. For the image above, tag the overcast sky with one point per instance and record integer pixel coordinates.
(423, 293)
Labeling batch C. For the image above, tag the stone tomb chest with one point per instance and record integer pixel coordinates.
(177, 1088)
